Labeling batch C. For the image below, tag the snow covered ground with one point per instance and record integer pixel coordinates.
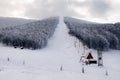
(45, 64)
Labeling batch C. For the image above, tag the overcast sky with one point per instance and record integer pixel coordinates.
(93, 10)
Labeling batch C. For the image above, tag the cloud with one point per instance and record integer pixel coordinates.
(96, 8)
(13, 8)
(5, 7)
(47, 8)
(99, 8)
(87, 9)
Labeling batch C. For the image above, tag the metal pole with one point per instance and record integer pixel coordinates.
(100, 60)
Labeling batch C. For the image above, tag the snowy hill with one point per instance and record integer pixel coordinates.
(7, 21)
(33, 35)
(95, 35)
(59, 60)
(79, 21)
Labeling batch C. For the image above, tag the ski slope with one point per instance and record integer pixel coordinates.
(63, 51)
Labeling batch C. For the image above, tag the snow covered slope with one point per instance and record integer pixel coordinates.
(8, 21)
(60, 54)
(95, 35)
(32, 35)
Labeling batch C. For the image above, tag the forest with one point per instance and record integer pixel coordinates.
(103, 36)
(33, 35)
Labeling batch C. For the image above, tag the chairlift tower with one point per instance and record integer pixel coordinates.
(100, 59)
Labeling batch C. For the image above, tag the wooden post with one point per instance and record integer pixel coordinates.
(23, 63)
(8, 59)
(83, 71)
(100, 60)
(61, 68)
